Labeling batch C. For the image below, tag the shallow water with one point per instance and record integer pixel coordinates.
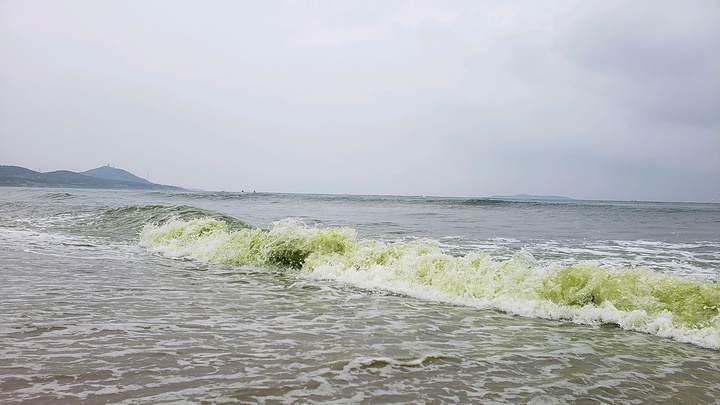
(88, 315)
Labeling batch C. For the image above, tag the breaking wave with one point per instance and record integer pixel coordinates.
(634, 298)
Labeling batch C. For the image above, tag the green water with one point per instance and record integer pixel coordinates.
(154, 297)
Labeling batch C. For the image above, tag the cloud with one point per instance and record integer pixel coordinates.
(454, 98)
(661, 61)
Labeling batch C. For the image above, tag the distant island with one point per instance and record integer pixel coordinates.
(531, 197)
(104, 177)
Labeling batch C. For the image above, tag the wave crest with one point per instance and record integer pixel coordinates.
(639, 299)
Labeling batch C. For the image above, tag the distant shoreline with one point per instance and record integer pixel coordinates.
(104, 177)
(532, 197)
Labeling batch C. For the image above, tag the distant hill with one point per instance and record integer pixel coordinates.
(111, 173)
(531, 197)
(15, 176)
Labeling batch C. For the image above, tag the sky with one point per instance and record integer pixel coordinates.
(610, 100)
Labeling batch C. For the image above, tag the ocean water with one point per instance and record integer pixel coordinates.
(140, 297)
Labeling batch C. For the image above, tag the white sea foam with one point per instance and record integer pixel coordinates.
(639, 299)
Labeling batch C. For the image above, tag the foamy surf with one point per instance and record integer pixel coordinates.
(634, 298)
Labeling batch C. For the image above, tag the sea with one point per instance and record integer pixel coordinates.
(156, 297)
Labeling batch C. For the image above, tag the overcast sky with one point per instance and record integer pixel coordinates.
(587, 99)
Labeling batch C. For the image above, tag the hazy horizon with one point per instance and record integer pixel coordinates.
(593, 101)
